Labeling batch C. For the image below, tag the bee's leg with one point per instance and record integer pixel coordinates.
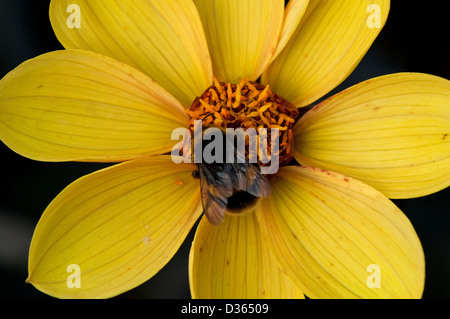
(196, 174)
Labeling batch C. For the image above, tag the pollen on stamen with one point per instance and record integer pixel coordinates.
(247, 105)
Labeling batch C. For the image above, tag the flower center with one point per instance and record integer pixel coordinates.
(235, 187)
(247, 105)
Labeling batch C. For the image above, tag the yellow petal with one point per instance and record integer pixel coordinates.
(242, 35)
(332, 38)
(391, 132)
(164, 39)
(79, 105)
(337, 237)
(293, 13)
(231, 261)
(119, 226)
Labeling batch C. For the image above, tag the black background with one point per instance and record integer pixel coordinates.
(415, 39)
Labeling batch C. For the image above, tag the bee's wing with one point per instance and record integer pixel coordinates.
(238, 176)
(215, 189)
(238, 166)
(256, 183)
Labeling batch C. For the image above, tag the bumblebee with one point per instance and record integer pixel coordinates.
(230, 186)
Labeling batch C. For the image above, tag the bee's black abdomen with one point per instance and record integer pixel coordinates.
(240, 201)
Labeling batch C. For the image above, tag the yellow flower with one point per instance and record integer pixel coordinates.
(129, 71)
